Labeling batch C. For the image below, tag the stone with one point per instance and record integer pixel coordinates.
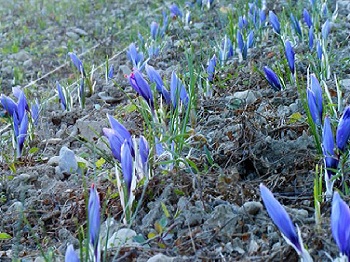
(67, 162)
(121, 237)
(251, 207)
(161, 258)
(90, 130)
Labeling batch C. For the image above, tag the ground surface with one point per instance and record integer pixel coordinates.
(252, 141)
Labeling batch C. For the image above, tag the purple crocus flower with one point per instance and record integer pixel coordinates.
(141, 86)
(262, 17)
(282, 220)
(135, 57)
(340, 225)
(275, 23)
(61, 96)
(290, 55)
(307, 18)
(71, 255)
(319, 50)
(116, 137)
(110, 72)
(127, 165)
(178, 91)
(22, 104)
(343, 130)
(326, 28)
(240, 41)
(175, 11)
(330, 159)
(94, 221)
(154, 77)
(295, 24)
(272, 78)
(311, 37)
(211, 68)
(154, 30)
(77, 63)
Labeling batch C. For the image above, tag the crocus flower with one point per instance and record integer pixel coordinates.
(154, 30)
(178, 91)
(272, 78)
(71, 255)
(141, 86)
(250, 39)
(319, 50)
(110, 72)
(314, 100)
(240, 41)
(275, 23)
(295, 24)
(8, 104)
(127, 165)
(144, 153)
(311, 37)
(175, 11)
(282, 220)
(307, 18)
(154, 77)
(211, 68)
(326, 28)
(35, 111)
(22, 104)
(94, 221)
(290, 55)
(135, 57)
(242, 22)
(61, 96)
(77, 63)
(262, 17)
(330, 159)
(116, 136)
(226, 50)
(343, 130)
(340, 225)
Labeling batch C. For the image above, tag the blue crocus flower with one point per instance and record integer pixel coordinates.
(250, 39)
(330, 159)
(61, 96)
(178, 91)
(242, 22)
(35, 111)
(272, 78)
(71, 255)
(275, 23)
(144, 153)
(135, 57)
(226, 50)
(8, 104)
(307, 18)
(127, 165)
(282, 220)
(314, 100)
(290, 55)
(326, 28)
(343, 130)
(141, 86)
(175, 11)
(241, 45)
(154, 77)
(311, 37)
(110, 72)
(116, 137)
(296, 25)
(262, 17)
(94, 221)
(340, 225)
(211, 68)
(154, 30)
(319, 50)
(77, 63)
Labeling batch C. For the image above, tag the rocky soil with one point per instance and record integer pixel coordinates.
(253, 133)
